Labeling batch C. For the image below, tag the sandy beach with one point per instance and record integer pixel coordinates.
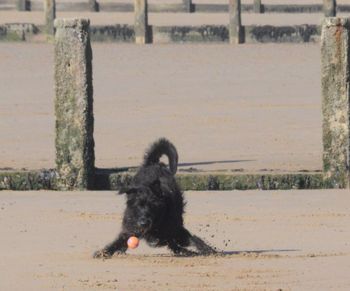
(249, 107)
(282, 240)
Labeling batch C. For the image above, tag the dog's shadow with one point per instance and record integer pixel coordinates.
(274, 253)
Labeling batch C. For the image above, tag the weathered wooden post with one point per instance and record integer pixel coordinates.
(257, 6)
(75, 157)
(141, 21)
(21, 5)
(93, 5)
(188, 5)
(50, 15)
(335, 53)
(235, 27)
(329, 8)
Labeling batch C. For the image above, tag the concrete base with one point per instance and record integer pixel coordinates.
(251, 34)
(179, 34)
(114, 179)
(18, 31)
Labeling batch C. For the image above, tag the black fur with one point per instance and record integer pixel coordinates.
(155, 207)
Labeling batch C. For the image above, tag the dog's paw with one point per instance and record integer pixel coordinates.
(185, 253)
(211, 252)
(102, 254)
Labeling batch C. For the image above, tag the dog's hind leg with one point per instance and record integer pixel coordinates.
(180, 250)
(185, 239)
(119, 245)
(202, 247)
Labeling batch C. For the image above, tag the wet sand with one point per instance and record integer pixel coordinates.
(248, 107)
(282, 240)
(164, 19)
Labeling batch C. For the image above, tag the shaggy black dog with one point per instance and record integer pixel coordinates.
(155, 206)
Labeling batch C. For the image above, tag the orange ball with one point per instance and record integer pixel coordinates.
(133, 242)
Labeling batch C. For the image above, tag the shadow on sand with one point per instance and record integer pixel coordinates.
(256, 252)
(134, 168)
(213, 162)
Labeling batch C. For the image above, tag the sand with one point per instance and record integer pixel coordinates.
(249, 107)
(164, 19)
(290, 240)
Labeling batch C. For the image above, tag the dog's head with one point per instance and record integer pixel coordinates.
(146, 207)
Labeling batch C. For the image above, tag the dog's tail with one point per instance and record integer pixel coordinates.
(159, 148)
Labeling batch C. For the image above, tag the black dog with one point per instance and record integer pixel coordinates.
(155, 206)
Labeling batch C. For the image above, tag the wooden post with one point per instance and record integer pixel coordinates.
(329, 8)
(93, 6)
(21, 5)
(188, 5)
(141, 21)
(50, 15)
(257, 6)
(75, 157)
(335, 52)
(235, 27)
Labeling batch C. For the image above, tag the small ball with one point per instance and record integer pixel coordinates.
(133, 242)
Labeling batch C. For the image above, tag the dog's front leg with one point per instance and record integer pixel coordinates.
(119, 245)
